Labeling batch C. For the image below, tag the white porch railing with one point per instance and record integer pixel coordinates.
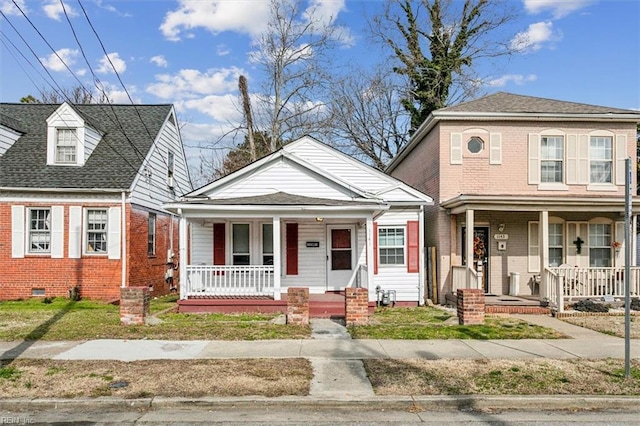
(224, 280)
(565, 283)
(359, 277)
(463, 277)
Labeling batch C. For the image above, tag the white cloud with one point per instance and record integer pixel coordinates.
(53, 9)
(56, 61)
(191, 83)
(9, 8)
(558, 8)
(222, 50)
(518, 79)
(215, 16)
(112, 58)
(160, 61)
(534, 37)
(117, 95)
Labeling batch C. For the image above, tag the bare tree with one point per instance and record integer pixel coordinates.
(368, 120)
(438, 53)
(293, 54)
(75, 95)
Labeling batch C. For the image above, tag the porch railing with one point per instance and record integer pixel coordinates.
(359, 277)
(565, 283)
(463, 277)
(226, 280)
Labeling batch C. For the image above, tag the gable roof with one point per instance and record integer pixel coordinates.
(353, 178)
(129, 132)
(508, 106)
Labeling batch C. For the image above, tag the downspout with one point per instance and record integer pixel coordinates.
(422, 282)
(123, 237)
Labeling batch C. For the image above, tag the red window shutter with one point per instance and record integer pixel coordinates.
(218, 244)
(413, 246)
(375, 247)
(292, 249)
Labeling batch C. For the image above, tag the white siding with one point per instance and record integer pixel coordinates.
(312, 261)
(7, 138)
(284, 177)
(397, 278)
(150, 186)
(91, 140)
(201, 244)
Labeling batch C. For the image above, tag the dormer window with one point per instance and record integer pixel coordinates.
(66, 146)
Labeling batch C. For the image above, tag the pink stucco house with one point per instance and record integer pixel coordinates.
(540, 182)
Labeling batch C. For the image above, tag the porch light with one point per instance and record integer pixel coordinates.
(501, 228)
(319, 219)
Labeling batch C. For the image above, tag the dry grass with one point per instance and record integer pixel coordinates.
(502, 377)
(171, 378)
(608, 324)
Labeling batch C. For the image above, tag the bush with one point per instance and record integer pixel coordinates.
(635, 304)
(589, 305)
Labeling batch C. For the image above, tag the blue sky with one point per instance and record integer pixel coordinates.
(191, 53)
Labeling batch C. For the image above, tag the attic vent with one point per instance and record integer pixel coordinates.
(170, 182)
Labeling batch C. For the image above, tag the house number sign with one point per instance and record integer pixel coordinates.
(501, 237)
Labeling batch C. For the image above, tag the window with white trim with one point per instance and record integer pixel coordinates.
(600, 245)
(66, 146)
(391, 243)
(601, 159)
(39, 230)
(151, 235)
(551, 159)
(241, 244)
(96, 231)
(267, 244)
(556, 246)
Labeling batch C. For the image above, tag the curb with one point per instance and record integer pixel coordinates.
(399, 403)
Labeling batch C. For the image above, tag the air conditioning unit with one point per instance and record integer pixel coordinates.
(170, 182)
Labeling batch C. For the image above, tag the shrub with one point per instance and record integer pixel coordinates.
(589, 305)
(635, 304)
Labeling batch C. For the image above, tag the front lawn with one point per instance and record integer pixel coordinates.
(63, 319)
(427, 322)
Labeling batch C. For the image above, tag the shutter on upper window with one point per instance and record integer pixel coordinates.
(534, 248)
(583, 159)
(619, 237)
(413, 246)
(534, 158)
(57, 232)
(621, 156)
(495, 148)
(292, 248)
(219, 241)
(456, 148)
(113, 239)
(17, 231)
(572, 159)
(375, 248)
(75, 232)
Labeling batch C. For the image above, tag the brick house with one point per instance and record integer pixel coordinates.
(541, 184)
(81, 194)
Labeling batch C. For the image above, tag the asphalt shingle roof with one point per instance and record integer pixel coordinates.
(283, 199)
(502, 102)
(112, 165)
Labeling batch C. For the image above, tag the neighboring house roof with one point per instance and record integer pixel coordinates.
(300, 168)
(510, 107)
(128, 133)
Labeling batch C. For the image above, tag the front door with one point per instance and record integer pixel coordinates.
(340, 255)
(480, 254)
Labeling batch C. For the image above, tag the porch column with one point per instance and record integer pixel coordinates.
(277, 258)
(543, 243)
(370, 258)
(469, 241)
(184, 260)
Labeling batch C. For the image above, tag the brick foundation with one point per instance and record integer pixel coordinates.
(134, 305)
(470, 306)
(356, 306)
(298, 305)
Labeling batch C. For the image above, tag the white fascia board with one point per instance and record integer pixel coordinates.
(531, 116)
(64, 190)
(506, 204)
(423, 199)
(265, 208)
(235, 176)
(61, 200)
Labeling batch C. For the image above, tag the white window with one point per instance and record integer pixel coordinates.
(551, 159)
(475, 145)
(96, 231)
(241, 244)
(267, 244)
(556, 251)
(39, 230)
(151, 235)
(600, 245)
(66, 145)
(601, 159)
(391, 246)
